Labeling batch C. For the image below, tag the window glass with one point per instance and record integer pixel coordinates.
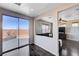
(45, 29)
(75, 25)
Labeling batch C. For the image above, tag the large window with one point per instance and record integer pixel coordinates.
(23, 32)
(10, 33)
(75, 24)
(15, 32)
(45, 28)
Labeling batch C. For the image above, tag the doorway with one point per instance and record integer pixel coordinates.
(68, 24)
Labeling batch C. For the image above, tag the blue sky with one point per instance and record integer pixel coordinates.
(12, 23)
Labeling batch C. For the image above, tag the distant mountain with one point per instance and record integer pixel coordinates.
(23, 33)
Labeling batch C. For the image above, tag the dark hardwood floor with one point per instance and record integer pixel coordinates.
(70, 48)
(27, 50)
(38, 51)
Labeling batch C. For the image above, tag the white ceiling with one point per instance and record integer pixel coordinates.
(70, 14)
(30, 9)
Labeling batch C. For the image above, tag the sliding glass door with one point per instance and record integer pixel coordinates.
(9, 33)
(15, 32)
(23, 32)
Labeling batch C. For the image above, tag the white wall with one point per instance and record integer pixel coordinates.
(47, 43)
(51, 44)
